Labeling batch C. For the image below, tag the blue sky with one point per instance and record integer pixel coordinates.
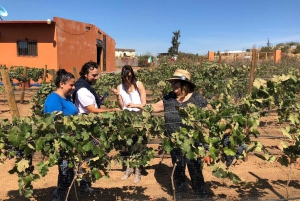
(147, 26)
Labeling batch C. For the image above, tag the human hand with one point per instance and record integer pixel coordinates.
(115, 92)
(130, 105)
(103, 96)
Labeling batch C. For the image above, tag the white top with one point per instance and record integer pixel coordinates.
(133, 97)
(83, 99)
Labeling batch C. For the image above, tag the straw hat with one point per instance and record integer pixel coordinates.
(182, 75)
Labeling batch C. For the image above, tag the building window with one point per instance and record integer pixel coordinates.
(27, 48)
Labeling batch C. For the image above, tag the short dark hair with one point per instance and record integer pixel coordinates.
(124, 73)
(91, 65)
(62, 76)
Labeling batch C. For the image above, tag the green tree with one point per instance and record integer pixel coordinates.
(297, 50)
(143, 60)
(269, 45)
(285, 49)
(267, 48)
(292, 43)
(175, 43)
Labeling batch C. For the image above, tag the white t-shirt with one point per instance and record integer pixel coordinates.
(83, 99)
(133, 97)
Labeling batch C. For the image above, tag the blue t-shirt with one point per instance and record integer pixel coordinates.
(55, 102)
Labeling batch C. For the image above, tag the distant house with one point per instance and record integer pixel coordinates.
(233, 52)
(162, 54)
(121, 52)
(57, 43)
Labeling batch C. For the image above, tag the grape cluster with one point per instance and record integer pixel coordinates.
(14, 152)
(240, 148)
(238, 96)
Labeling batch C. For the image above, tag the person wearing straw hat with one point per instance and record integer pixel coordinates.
(183, 93)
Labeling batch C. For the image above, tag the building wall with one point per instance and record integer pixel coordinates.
(43, 33)
(61, 44)
(77, 45)
(110, 54)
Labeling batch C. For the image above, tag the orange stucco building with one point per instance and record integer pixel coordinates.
(57, 43)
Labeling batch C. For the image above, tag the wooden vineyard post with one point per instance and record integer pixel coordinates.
(277, 56)
(253, 63)
(75, 73)
(23, 86)
(201, 61)
(220, 59)
(211, 56)
(10, 94)
(53, 73)
(151, 67)
(45, 74)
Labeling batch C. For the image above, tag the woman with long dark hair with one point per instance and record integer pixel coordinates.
(131, 95)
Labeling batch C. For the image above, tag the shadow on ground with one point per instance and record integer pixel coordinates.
(107, 194)
(162, 174)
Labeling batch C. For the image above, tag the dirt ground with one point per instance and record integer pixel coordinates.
(267, 181)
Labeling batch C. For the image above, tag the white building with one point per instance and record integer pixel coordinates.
(121, 52)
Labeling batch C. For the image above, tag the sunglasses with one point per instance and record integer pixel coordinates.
(174, 81)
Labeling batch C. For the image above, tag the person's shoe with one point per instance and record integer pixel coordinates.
(181, 187)
(62, 194)
(86, 188)
(137, 175)
(127, 173)
(200, 191)
(180, 190)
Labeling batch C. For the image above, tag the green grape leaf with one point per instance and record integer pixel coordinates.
(233, 177)
(28, 193)
(22, 165)
(167, 145)
(39, 144)
(96, 173)
(230, 151)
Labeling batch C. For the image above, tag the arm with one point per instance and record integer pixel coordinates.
(54, 107)
(159, 106)
(85, 99)
(119, 98)
(142, 92)
(92, 109)
(52, 104)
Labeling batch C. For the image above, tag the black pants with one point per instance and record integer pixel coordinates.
(194, 168)
(65, 177)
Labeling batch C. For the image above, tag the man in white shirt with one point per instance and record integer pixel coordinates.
(88, 101)
(85, 97)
